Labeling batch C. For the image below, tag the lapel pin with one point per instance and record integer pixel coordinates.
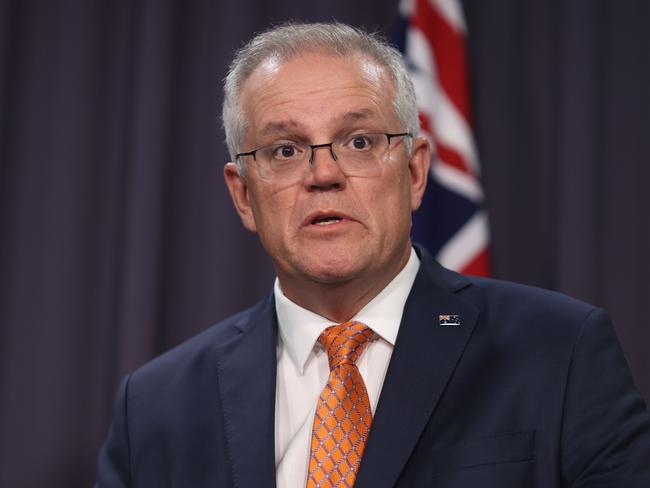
(449, 320)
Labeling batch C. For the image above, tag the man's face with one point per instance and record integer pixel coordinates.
(327, 228)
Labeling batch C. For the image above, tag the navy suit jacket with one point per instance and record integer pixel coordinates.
(529, 389)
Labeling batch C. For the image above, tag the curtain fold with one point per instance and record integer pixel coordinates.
(562, 106)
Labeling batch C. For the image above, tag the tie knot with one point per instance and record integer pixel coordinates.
(345, 342)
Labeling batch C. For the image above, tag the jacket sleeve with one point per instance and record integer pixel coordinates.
(606, 424)
(114, 464)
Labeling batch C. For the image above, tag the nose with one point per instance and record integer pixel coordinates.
(325, 172)
(320, 146)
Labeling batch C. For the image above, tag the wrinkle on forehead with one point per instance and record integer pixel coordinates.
(369, 69)
(273, 96)
(289, 125)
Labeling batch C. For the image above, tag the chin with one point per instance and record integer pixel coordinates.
(333, 269)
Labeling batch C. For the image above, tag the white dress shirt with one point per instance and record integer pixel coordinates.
(303, 367)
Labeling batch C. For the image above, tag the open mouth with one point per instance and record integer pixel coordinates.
(326, 220)
(323, 218)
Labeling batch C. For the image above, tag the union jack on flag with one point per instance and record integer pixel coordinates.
(451, 222)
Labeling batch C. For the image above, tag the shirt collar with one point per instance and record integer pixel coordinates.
(300, 328)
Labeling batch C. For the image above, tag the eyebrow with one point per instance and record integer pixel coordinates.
(278, 127)
(362, 114)
(286, 127)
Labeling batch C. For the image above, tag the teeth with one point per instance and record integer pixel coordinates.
(327, 221)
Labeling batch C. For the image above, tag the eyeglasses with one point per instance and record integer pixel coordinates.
(356, 155)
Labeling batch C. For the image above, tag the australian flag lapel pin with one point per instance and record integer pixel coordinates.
(449, 320)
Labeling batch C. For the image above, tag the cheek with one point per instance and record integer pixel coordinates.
(399, 193)
(390, 212)
(400, 208)
(272, 212)
(385, 201)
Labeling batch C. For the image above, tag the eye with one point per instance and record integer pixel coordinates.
(285, 151)
(361, 142)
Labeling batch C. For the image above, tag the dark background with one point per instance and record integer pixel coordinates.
(118, 239)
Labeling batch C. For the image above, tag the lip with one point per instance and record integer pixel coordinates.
(320, 214)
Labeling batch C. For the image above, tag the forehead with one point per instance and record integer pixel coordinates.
(317, 91)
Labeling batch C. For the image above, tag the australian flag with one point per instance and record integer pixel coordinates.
(451, 222)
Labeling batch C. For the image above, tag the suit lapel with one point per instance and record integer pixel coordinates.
(422, 363)
(246, 372)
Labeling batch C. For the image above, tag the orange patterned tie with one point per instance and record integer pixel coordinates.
(343, 416)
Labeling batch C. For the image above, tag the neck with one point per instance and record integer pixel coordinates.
(340, 301)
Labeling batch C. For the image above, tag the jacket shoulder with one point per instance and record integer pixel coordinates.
(501, 300)
(517, 297)
(204, 346)
(526, 314)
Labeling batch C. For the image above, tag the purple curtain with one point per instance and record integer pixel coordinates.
(563, 115)
(117, 237)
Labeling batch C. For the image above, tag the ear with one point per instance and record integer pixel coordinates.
(239, 192)
(419, 170)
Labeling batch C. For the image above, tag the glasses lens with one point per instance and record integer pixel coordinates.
(283, 161)
(361, 154)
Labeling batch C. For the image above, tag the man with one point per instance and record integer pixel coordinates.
(369, 364)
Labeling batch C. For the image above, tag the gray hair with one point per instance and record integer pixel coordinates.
(290, 40)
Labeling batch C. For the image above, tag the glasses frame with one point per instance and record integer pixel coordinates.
(313, 147)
